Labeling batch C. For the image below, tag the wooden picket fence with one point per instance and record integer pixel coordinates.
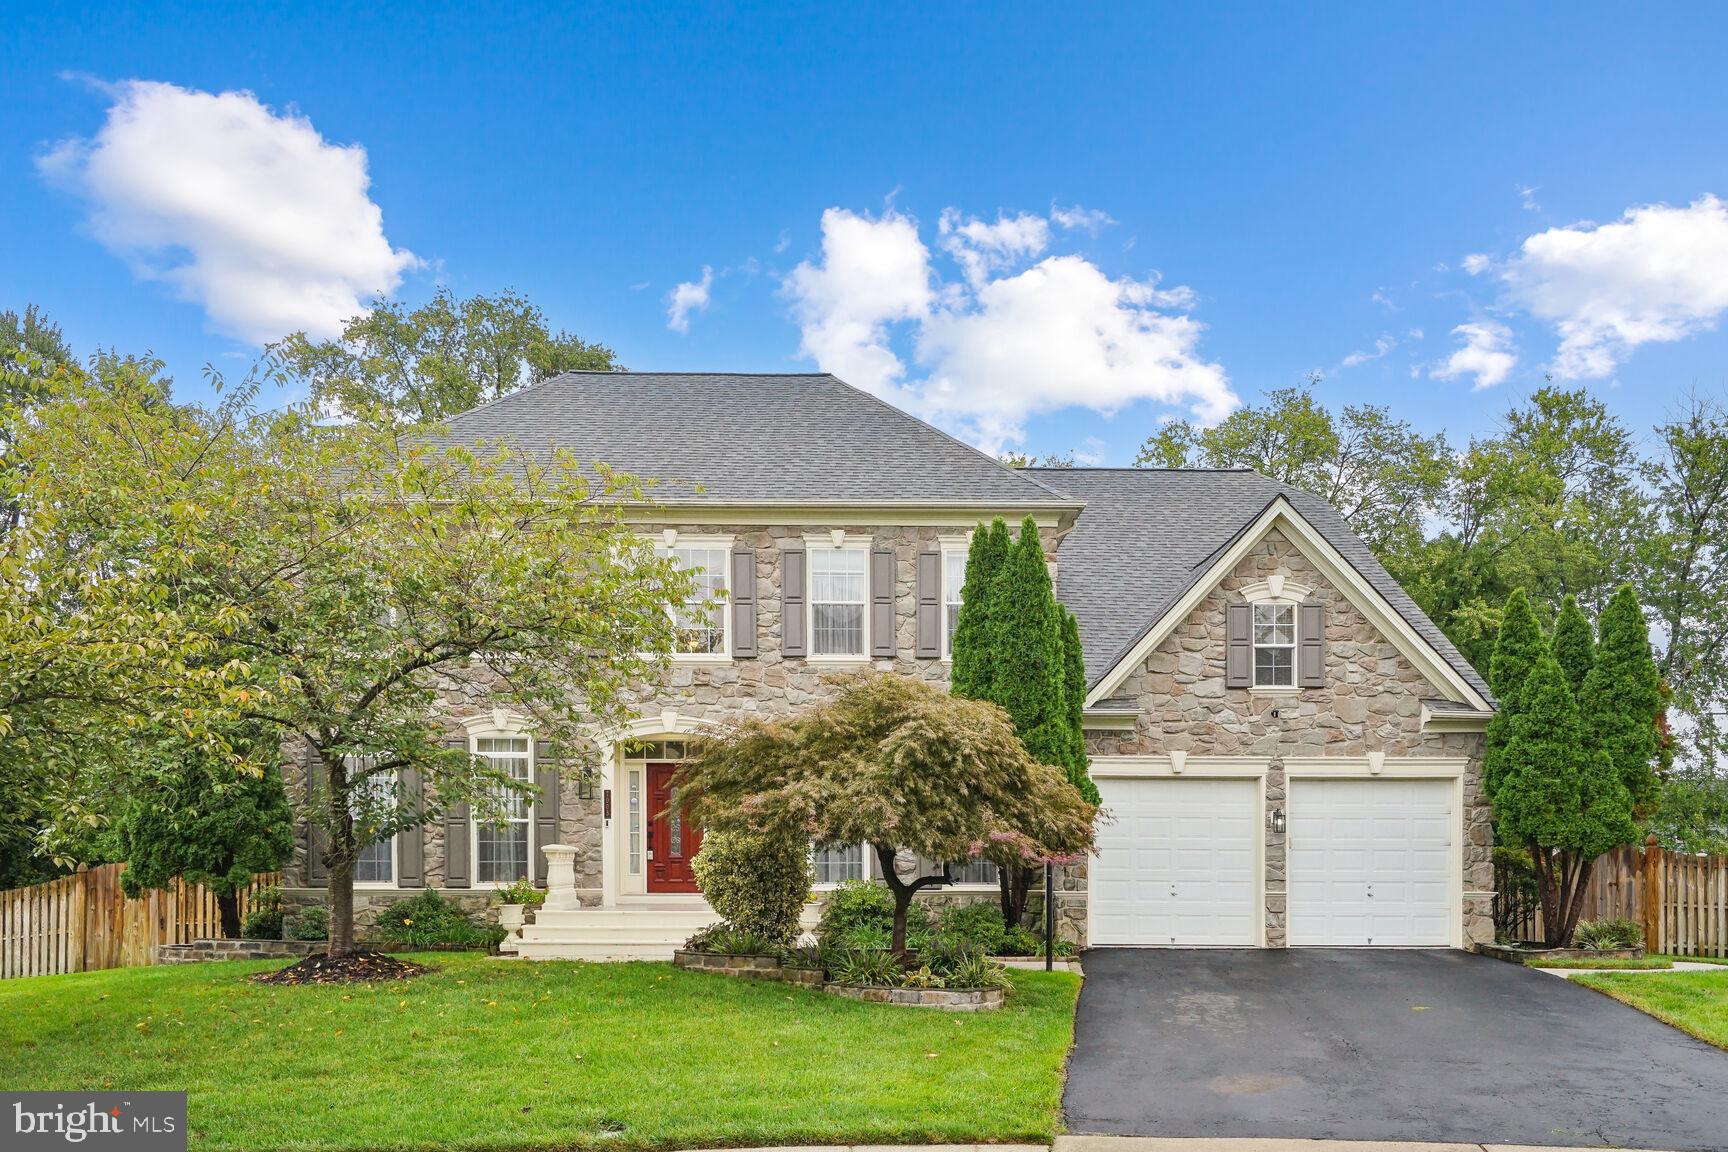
(84, 922)
(1681, 899)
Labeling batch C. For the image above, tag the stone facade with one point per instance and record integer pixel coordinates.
(1371, 702)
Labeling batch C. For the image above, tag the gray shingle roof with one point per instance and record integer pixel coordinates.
(1148, 534)
(784, 439)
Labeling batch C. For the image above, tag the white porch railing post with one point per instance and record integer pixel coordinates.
(561, 878)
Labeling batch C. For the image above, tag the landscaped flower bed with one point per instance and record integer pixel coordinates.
(1591, 940)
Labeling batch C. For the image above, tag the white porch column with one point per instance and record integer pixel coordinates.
(561, 878)
(611, 868)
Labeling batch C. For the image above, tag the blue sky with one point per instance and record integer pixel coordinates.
(1044, 228)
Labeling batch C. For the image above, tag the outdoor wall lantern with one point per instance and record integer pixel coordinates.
(585, 783)
(1278, 821)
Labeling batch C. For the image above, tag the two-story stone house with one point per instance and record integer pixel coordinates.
(1288, 749)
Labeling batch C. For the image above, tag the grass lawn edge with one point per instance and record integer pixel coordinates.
(1605, 984)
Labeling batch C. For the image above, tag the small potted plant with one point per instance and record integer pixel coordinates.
(515, 900)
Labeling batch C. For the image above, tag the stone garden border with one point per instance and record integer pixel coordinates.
(750, 967)
(1534, 957)
(202, 950)
(947, 999)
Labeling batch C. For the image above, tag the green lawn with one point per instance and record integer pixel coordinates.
(1605, 964)
(1695, 1002)
(1697, 959)
(501, 1054)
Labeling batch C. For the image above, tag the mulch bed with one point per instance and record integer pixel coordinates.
(360, 968)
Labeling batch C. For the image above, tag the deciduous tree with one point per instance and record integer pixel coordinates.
(428, 363)
(330, 582)
(1380, 474)
(899, 765)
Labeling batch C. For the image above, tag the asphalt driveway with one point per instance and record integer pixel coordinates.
(1356, 1044)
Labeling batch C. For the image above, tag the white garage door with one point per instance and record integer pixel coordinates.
(1370, 862)
(1177, 865)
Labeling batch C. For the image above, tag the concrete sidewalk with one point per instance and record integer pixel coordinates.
(1169, 1144)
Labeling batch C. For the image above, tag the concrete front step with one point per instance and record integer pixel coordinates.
(588, 919)
(627, 932)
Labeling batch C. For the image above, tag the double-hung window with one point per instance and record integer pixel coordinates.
(953, 580)
(974, 871)
(502, 845)
(372, 799)
(701, 619)
(1274, 644)
(838, 863)
(838, 591)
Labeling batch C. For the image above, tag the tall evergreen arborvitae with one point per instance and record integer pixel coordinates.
(1622, 699)
(1574, 643)
(1011, 647)
(1558, 796)
(1517, 650)
(1074, 704)
(1025, 639)
(970, 673)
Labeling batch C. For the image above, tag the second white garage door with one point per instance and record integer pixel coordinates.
(1178, 865)
(1370, 862)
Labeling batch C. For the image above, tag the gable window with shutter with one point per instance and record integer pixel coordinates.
(839, 600)
(1275, 644)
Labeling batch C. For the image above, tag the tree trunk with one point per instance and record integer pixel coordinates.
(902, 892)
(1013, 885)
(341, 910)
(1571, 900)
(228, 912)
(339, 858)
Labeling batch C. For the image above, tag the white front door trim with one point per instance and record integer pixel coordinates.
(1451, 768)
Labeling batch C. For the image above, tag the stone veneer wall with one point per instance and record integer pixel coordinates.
(1372, 702)
(769, 685)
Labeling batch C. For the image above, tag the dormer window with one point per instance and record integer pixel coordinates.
(1274, 644)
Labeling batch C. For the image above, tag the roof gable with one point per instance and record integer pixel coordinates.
(712, 438)
(1151, 539)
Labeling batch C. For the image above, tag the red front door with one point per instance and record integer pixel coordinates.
(672, 840)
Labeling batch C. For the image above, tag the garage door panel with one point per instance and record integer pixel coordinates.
(1370, 862)
(1179, 865)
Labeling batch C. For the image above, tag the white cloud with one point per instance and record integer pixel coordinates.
(690, 296)
(1656, 275)
(1382, 346)
(873, 271)
(1078, 218)
(998, 345)
(248, 213)
(1527, 197)
(1487, 354)
(1476, 263)
(982, 248)
(1091, 453)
